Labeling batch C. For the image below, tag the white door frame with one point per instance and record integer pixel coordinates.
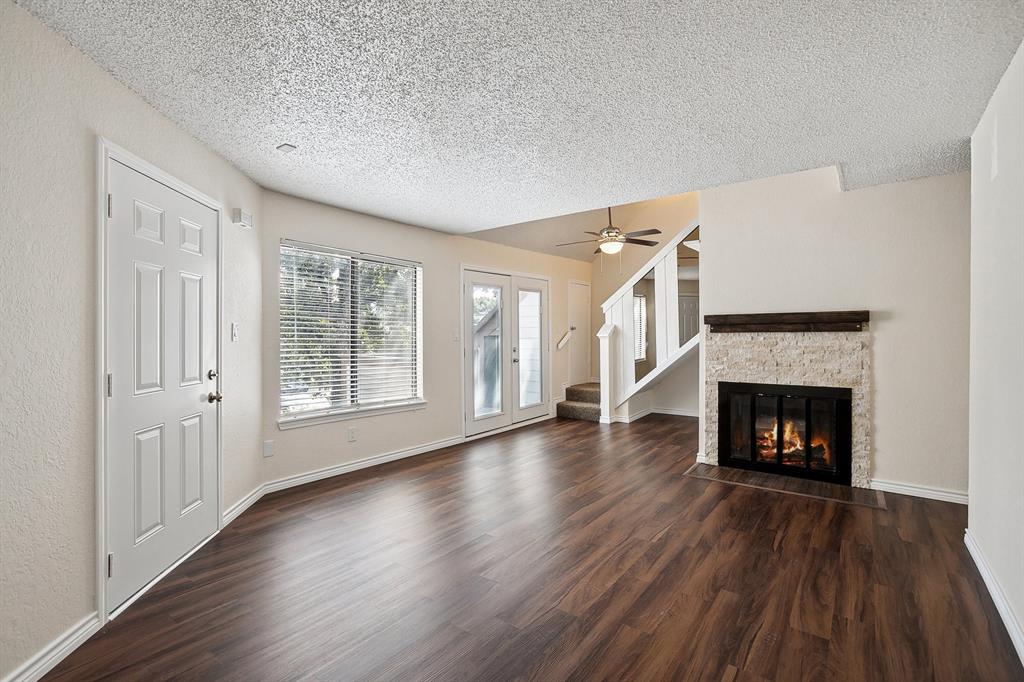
(590, 326)
(105, 152)
(462, 335)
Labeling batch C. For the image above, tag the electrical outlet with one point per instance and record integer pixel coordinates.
(353, 435)
(268, 448)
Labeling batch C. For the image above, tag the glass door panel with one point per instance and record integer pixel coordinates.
(766, 427)
(487, 330)
(794, 432)
(529, 349)
(488, 357)
(529, 359)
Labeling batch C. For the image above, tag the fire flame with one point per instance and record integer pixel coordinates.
(767, 442)
(791, 441)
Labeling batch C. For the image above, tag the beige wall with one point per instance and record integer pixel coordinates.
(53, 102)
(798, 243)
(315, 447)
(997, 340)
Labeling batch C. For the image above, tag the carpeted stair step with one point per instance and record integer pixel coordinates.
(575, 409)
(584, 393)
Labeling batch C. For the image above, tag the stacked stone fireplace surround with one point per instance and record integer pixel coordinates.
(836, 359)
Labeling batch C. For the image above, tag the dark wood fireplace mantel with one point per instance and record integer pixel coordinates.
(828, 321)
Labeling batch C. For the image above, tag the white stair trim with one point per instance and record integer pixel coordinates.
(654, 260)
(660, 369)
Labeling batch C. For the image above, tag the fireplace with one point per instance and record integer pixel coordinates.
(802, 431)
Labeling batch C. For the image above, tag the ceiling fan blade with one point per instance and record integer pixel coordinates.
(641, 233)
(596, 234)
(597, 250)
(641, 242)
(585, 241)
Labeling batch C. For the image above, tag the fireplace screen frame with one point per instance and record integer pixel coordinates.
(841, 400)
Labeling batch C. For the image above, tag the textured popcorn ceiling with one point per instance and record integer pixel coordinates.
(464, 116)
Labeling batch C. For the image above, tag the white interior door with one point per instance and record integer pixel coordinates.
(582, 340)
(161, 472)
(488, 351)
(689, 317)
(530, 391)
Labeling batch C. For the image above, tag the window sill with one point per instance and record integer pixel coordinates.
(298, 421)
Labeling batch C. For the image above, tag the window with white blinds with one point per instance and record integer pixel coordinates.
(639, 328)
(351, 330)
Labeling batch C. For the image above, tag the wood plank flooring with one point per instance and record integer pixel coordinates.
(564, 551)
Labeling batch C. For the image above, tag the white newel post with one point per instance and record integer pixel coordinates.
(604, 335)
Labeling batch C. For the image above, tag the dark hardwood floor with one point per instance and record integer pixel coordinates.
(565, 550)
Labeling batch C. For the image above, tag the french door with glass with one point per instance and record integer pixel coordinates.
(506, 350)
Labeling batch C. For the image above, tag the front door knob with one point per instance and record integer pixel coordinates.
(214, 397)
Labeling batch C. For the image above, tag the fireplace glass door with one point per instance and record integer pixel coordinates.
(800, 431)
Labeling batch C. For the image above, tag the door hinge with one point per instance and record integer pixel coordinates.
(110, 385)
(110, 565)
(110, 205)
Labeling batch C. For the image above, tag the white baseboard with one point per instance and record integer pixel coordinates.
(995, 590)
(701, 459)
(327, 472)
(625, 418)
(47, 658)
(941, 494)
(235, 510)
(634, 416)
(640, 414)
(347, 467)
(678, 412)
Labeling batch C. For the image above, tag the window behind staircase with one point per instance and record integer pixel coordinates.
(639, 328)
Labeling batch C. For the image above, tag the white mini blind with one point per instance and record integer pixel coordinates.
(350, 330)
(639, 328)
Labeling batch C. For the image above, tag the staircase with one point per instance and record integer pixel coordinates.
(616, 343)
(582, 401)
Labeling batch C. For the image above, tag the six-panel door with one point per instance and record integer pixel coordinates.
(161, 330)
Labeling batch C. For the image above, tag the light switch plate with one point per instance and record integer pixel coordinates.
(268, 448)
(234, 331)
(353, 434)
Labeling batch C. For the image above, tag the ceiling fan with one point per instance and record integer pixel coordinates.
(611, 239)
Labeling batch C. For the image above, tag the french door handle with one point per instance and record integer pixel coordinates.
(214, 397)
(515, 360)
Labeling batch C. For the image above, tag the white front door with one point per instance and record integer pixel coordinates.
(161, 472)
(506, 350)
(581, 341)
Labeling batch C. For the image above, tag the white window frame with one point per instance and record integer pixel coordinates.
(640, 335)
(419, 402)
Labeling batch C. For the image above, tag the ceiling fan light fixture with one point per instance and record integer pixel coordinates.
(611, 246)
